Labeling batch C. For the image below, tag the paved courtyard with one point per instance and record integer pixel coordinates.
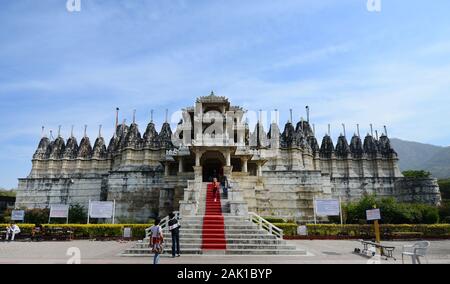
(319, 251)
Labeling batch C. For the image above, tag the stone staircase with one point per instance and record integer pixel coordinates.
(243, 237)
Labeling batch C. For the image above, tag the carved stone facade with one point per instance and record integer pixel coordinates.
(272, 173)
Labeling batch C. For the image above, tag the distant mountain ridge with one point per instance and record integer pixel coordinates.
(420, 156)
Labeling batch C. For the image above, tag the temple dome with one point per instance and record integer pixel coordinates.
(85, 149)
(133, 138)
(41, 151)
(356, 147)
(165, 136)
(287, 137)
(151, 135)
(57, 148)
(99, 148)
(370, 146)
(327, 148)
(342, 147)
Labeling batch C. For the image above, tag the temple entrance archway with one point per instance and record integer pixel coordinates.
(212, 165)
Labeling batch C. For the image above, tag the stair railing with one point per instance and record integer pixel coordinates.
(163, 223)
(263, 224)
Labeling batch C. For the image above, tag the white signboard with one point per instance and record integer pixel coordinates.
(302, 231)
(101, 209)
(127, 232)
(17, 215)
(373, 214)
(59, 211)
(327, 207)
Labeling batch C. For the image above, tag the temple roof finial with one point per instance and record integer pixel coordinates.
(167, 115)
(134, 116)
(51, 135)
(385, 130)
(99, 131)
(329, 129)
(85, 132)
(307, 113)
(371, 129)
(343, 127)
(42, 132)
(59, 131)
(151, 115)
(290, 115)
(357, 130)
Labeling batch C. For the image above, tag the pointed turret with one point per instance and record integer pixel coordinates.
(133, 138)
(287, 137)
(99, 150)
(58, 148)
(342, 147)
(165, 136)
(370, 146)
(151, 135)
(385, 147)
(85, 149)
(42, 149)
(356, 147)
(327, 148)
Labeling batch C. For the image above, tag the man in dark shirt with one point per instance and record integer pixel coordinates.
(174, 228)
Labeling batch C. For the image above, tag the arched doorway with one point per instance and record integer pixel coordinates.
(212, 165)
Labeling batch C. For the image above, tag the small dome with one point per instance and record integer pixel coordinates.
(385, 147)
(356, 147)
(85, 150)
(133, 138)
(71, 148)
(305, 127)
(99, 148)
(58, 148)
(41, 151)
(370, 146)
(342, 147)
(327, 148)
(287, 137)
(165, 136)
(273, 130)
(151, 136)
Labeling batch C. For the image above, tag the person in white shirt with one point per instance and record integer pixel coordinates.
(156, 240)
(11, 232)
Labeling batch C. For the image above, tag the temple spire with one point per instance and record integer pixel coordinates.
(117, 117)
(376, 134)
(167, 112)
(42, 132)
(329, 129)
(51, 135)
(343, 127)
(85, 128)
(276, 116)
(71, 131)
(385, 130)
(99, 131)
(134, 116)
(59, 131)
(290, 116)
(151, 115)
(371, 129)
(307, 114)
(357, 130)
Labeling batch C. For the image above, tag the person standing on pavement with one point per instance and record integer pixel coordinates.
(174, 228)
(156, 240)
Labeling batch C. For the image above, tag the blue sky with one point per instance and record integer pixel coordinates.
(348, 64)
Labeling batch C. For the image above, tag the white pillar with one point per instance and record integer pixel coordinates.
(244, 165)
(228, 156)
(180, 165)
(197, 159)
(259, 171)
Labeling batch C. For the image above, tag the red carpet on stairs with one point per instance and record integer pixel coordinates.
(213, 235)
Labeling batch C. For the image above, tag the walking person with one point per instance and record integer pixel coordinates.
(215, 188)
(174, 228)
(156, 240)
(225, 185)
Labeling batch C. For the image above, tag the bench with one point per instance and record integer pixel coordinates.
(386, 251)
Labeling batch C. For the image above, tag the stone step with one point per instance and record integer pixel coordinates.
(167, 251)
(229, 241)
(184, 246)
(208, 230)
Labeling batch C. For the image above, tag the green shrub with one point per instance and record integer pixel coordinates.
(289, 229)
(77, 214)
(392, 212)
(416, 174)
(37, 215)
(444, 186)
